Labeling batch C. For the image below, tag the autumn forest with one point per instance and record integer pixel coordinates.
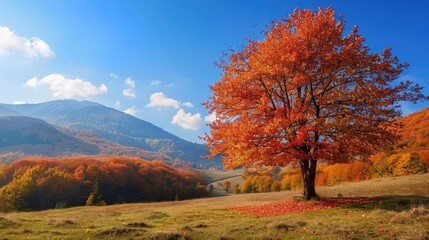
(37, 184)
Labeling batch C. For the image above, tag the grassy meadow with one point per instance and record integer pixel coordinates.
(215, 177)
(392, 208)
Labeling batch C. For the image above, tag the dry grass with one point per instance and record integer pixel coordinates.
(218, 175)
(401, 214)
(405, 185)
(219, 191)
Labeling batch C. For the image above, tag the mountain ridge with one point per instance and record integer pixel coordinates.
(6, 112)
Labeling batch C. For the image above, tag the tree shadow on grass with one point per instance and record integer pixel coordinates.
(395, 203)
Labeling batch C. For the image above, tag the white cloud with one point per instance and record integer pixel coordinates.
(158, 99)
(62, 87)
(18, 102)
(169, 85)
(33, 47)
(130, 83)
(210, 118)
(112, 75)
(187, 120)
(155, 83)
(129, 92)
(102, 88)
(131, 111)
(117, 104)
(188, 104)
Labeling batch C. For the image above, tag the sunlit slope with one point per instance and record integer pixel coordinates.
(415, 135)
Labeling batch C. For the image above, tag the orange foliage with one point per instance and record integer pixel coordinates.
(291, 179)
(415, 137)
(307, 92)
(287, 207)
(43, 183)
(261, 180)
(337, 173)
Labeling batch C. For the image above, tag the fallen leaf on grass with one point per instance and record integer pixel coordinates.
(284, 207)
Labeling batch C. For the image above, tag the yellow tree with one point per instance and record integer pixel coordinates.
(226, 185)
(306, 93)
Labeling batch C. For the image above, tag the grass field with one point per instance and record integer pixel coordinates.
(400, 212)
(218, 175)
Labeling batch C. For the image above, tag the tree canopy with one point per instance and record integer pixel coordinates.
(306, 93)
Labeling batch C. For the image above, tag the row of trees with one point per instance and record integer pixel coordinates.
(36, 184)
(387, 164)
(397, 164)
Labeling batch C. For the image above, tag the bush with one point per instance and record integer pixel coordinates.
(236, 189)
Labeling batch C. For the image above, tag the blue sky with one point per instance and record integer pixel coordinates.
(154, 59)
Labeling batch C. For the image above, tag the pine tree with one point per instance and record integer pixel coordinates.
(94, 198)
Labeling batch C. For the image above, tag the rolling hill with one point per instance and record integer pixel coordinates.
(109, 148)
(117, 127)
(36, 137)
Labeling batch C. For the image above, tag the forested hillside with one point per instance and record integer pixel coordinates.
(36, 184)
(36, 137)
(415, 135)
(109, 148)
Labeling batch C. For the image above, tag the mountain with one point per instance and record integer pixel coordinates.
(109, 148)
(115, 126)
(36, 137)
(4, 112)
(24, 136)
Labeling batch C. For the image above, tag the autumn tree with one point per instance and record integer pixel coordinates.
(305, 93)
(225, 185)
(236, 189)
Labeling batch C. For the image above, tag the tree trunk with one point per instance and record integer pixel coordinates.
(308, 171)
